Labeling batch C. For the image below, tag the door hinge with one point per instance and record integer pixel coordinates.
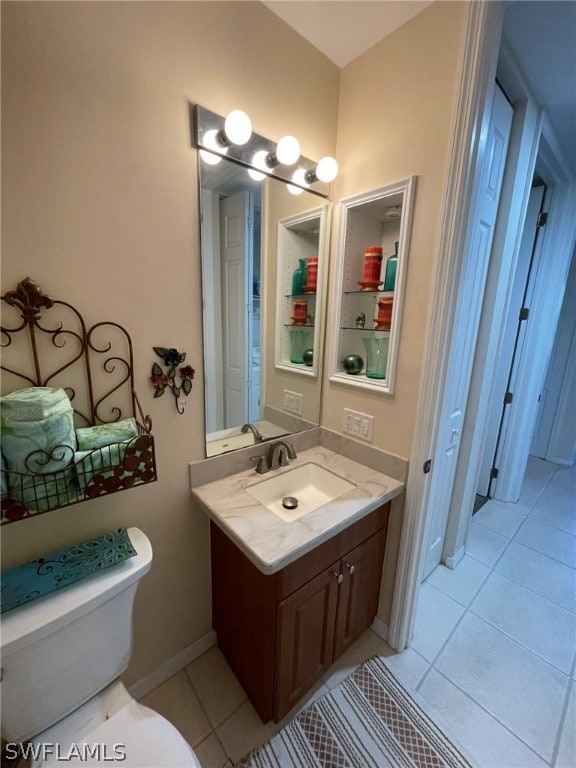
(508, 398)
(249, 222)
(427, 466)
(493, 473)
(542, 219)
(524, 312)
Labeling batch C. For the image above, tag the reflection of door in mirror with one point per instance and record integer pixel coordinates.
(231, 259)
(236, 242)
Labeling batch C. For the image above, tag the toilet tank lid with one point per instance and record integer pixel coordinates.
(31, 622)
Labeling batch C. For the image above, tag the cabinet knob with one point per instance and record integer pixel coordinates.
(339, 577)
(351, 568)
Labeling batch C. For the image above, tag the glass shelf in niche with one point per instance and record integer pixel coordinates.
(298, 327)
(364, 330)
(368, 293)
(299, 295)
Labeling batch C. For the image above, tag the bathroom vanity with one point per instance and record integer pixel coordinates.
(289, 597)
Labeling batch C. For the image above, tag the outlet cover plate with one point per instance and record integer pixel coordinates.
(292, 401)
(359, 425)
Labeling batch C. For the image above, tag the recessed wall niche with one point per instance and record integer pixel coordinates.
(368, 289)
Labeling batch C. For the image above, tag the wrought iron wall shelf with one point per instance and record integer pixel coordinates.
(46, 343)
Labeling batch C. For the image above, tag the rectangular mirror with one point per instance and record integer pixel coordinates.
(246, 301)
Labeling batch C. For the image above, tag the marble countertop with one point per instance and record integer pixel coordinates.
(269, 542)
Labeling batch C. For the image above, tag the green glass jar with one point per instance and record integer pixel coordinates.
(390, 274)
(299, 278)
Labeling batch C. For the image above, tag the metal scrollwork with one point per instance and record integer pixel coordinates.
(94, 365)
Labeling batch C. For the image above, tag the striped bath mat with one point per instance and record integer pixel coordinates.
(368, 721)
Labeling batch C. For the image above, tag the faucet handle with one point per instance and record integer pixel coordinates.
(262, 466)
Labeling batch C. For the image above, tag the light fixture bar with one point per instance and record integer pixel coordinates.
(205, 122)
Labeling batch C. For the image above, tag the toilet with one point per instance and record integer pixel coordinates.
(62, 656)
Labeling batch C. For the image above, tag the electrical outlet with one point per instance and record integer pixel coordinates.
(292, 401)
(357, 424)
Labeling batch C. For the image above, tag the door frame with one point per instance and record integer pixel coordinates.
(479, 60)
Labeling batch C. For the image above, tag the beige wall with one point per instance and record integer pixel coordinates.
(397, 106)
(100, 208)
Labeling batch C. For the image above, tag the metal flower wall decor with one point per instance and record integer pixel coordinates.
(161, 381)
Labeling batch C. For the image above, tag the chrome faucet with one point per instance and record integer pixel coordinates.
(249, 427)
(277, 455)
(279, 452)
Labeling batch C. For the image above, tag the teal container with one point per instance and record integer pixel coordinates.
(376, 357)
(390, 274)
(299, 343)
(299, 278)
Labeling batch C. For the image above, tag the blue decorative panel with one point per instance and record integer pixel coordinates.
(46, 574)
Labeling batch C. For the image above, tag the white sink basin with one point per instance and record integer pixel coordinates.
(311, 485)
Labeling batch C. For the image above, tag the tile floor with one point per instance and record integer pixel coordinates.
(493, 653)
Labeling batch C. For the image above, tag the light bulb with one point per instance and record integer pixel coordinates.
(288, 150)
(299, 177)
(210, 141)
(238, 127)
(294, 190)
(327, 169)
(259, 161)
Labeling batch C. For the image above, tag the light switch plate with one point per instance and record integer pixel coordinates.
(292, 401)
(360, 425)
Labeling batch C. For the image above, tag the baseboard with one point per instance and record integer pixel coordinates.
(380, 628)
(452, 561)
(140, 688)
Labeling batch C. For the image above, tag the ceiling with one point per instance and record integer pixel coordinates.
(541, 34)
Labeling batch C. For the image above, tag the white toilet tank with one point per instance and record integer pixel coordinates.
(62, 649)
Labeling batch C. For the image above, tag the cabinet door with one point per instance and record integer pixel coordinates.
(305, 638)
(359, 591)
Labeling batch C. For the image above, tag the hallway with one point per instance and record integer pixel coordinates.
(497, 634)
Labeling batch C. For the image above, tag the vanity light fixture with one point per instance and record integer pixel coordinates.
(232, 137)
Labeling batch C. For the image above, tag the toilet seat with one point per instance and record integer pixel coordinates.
(146, 739)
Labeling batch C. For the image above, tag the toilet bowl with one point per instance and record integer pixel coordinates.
(112, 728)
(62, 698)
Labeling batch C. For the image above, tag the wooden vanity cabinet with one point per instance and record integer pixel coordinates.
(281, 632)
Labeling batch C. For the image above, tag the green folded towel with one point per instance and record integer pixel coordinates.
(38, 440)
(90, 438)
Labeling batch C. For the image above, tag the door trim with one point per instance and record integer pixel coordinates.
(479, 59)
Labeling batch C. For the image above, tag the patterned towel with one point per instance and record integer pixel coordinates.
(90, 438)
(37, 428)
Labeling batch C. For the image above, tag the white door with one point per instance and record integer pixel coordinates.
(544, 293)
(466, 323)
(236, 250)
(509, 338)
(552, 422)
